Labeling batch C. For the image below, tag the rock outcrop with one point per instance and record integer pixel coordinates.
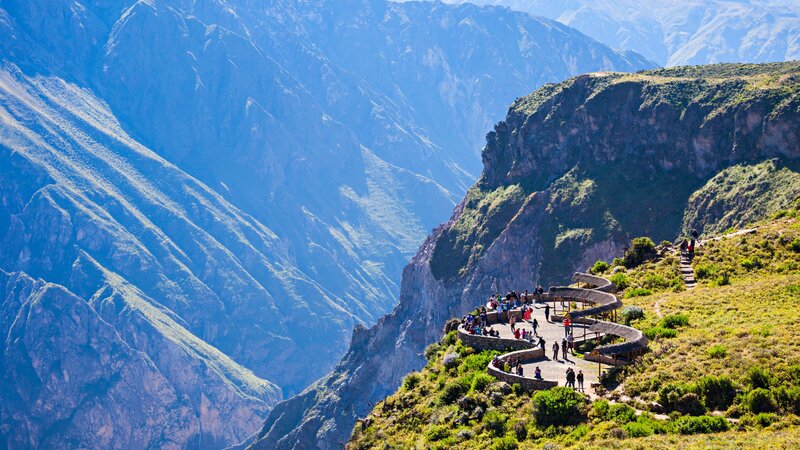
(574, 172)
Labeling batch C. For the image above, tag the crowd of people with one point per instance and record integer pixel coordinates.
(477, 323)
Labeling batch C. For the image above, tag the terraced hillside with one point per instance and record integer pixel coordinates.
(723, 367)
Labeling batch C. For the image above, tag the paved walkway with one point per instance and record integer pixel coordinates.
(554, 369)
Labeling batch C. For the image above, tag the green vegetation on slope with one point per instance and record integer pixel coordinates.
(724, 363)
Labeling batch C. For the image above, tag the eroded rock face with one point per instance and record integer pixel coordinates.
(574, 172)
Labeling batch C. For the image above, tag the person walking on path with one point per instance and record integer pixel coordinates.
(535, 325)
(555, 350)
(547, 312)
(567, 323)
(564, 347)
(570, 378)
(571, 343)
(580, 380)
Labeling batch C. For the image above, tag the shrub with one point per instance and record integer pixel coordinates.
(480, 381)
(655, 282)
(437, 433)
(617, 262)
(599, 267)
(675, 320)
(431, 351)
(599, 410)
(758, 377)
(717, 392)
(558, 406)
(520, 430)
(760, 420)
(660, 333)
(450, 360)
(620, 280)
(451, 392)
(760, 401)
(505, 443)
(643, 248)
(635, 429)
(671, 393)
(495, 422)
(690, 403)
(794, 245)
(450, 338)
(750, 263)
(717, 351)
(638, 292)
(631, 313)
(411, 381)
(621, 413)
(706, 271)
(701, 424)
(787, 399)
(723, 279)
(477, 362)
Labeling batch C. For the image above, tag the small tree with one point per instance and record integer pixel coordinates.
(559, 406)
(642, 249)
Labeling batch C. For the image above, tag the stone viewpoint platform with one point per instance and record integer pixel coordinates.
(588, 310)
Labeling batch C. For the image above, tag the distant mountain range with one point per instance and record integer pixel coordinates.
(200, 200)
(680, 32)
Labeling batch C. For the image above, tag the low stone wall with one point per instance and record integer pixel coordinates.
(527, 383)
(481, 343)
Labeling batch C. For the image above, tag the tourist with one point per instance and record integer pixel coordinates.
(516, 333)
(555, 350)
(571, 343)
(567, 323)
(537, 374)
(547, 313)
(535, 325)
(541, 343)
(497, 362)
(519, 369)
(512, 320)
(564, 347)
(570, 378)
(580, 380)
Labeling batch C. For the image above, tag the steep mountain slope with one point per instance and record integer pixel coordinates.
(575, 171)
(681, 32)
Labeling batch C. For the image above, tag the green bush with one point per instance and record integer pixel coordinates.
(759, 377)
(621, 413)
(717, 392)
(760, 401)
(451, 392)
(476, 362)
(691, 404)
(760, 420)
(671, 393)
(794, 245)
(656, 282)
(599, 267)
(787, 399)
(620, 280)
(717, 351)
(480, 381)
(635, 429)
(638, 292)
(505, 443)
(675, 320)
(643, 248)
(701, 424)
(558, 406)
(495, 422)
(631, 313)
(660, 333)
(750, 263)
(411, 381)
(706, 271)
(616, 262)
(437, 433)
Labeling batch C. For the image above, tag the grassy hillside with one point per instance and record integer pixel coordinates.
(723, 368)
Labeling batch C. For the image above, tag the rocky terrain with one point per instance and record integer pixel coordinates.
(570, 176)
(224, 190)
(680, 32)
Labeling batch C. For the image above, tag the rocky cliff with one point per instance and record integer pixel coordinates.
(575, 171)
